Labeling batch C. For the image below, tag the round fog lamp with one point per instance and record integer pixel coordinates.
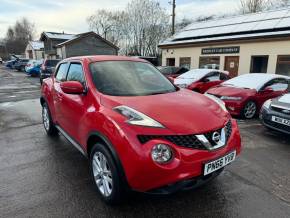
(161, 153)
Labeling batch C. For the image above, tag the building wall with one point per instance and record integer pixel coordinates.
(90, 45)
(273, 49)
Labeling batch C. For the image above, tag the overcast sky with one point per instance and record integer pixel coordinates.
(70, 15)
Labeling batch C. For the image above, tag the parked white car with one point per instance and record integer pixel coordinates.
(1, 61)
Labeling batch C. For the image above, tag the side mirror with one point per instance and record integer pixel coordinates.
(268, 89)
(72, 87)
(205, 80)
(171, 79)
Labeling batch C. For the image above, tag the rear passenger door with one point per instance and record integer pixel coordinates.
(73, 106)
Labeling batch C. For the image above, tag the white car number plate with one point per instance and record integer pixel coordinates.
(281, 120)
(219, 163)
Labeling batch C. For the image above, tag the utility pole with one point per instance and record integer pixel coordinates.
(173, 17)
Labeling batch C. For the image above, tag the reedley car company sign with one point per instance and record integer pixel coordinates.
(223, 50)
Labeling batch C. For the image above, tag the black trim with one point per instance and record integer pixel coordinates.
(187, 184)
(71, 140)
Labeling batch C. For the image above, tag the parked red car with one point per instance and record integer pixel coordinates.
(245, 94)
(200, 80)
(137, 129)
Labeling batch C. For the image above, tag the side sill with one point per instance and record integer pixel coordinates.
(71, 140)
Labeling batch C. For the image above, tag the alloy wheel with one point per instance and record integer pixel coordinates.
(45, 118)
(250, 110)
(102, 174)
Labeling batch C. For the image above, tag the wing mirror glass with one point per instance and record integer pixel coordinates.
(72, 87)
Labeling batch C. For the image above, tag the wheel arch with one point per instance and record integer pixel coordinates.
(97, 137)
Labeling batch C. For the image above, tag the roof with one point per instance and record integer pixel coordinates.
(96, 58)
(268, 23)
(36, 45)
(83, 35)
(252, 80)
(54, 35)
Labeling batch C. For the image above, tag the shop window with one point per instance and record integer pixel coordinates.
(209, 62)
(259, 64)
(185, 62)
(170, 62)
(283, 65)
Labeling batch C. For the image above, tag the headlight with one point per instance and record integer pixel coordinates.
(136, 117)
(267, 104)
(218, 101)
(231, 98)
(161, 153)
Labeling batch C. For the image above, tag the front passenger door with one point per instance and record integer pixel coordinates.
(74, 105)
(60, 76)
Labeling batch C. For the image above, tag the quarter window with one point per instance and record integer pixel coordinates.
(75, 73)
(61, 72)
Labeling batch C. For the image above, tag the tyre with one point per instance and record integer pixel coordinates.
(107, 179)
(249, 111)
(22, 69)
(48, 124)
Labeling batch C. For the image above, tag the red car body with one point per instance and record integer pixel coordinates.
(201, 80)
(90, 117)
(258, 89)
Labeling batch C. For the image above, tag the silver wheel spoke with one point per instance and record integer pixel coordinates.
(102, 174)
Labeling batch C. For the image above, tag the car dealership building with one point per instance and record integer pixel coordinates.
(252, 43)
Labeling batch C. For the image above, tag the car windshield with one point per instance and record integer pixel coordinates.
(129, 78)
(51, 63)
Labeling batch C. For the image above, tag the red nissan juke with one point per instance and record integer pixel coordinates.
(137, 129)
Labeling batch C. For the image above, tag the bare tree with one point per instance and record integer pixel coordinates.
(253, 6)
(137, 30)
(18, 36)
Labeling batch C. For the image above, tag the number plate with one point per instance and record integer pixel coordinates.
(281, 120)
(219, 163)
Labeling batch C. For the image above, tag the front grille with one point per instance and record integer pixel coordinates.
(277, 125)
(280, 110)
(228, 130)
(188, 141)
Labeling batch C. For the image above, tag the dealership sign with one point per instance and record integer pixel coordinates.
(221, 50)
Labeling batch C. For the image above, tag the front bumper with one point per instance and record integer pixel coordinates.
(144, 175)
(266, 120)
